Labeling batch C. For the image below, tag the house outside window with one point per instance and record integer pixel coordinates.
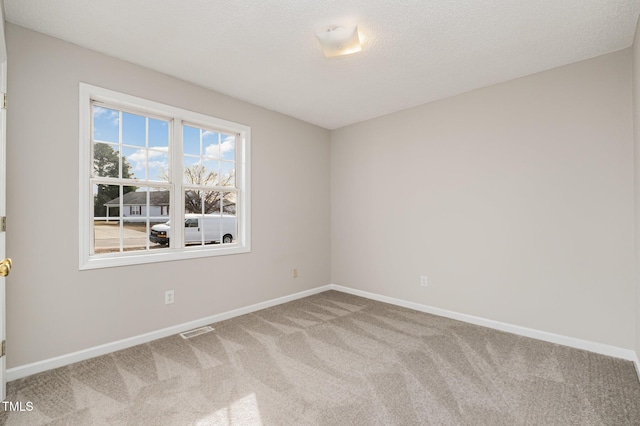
(147, 166)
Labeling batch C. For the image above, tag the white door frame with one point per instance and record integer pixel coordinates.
(3, 195)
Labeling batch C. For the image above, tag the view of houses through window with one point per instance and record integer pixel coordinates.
(133, 186)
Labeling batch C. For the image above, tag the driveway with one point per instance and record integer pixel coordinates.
(107, 236)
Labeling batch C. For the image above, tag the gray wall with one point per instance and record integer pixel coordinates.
(516, 201)
(54, 309)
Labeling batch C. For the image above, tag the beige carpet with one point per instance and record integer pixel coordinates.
(336, 359)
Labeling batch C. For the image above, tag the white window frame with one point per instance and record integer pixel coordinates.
(177, 250)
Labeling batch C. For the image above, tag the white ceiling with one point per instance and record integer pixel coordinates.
(265, 51)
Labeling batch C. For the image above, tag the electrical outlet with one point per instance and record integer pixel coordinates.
(424, 281)
(295, 273)
(168, 297)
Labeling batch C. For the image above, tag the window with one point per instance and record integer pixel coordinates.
(146, 167)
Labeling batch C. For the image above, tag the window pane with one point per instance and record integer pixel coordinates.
(229, 203)
(106, 218)
(135, 211)
(134, 130)
(191, 140)
(194, 219)
(134, 163)
(192, 201)
(134, 233)
(229, 229)
(158, 165)
(158, 218)
(105, 160)
(228, 147)
(212, 201)
(190, 166)
(229, 220)
(159, 204)
(227, 174)
(134, 201)
(106, 201)
(136, 166)
(158, 134)
(106, 124)
(210, 144)
(210, 172)
(106, 234)
(199, 173)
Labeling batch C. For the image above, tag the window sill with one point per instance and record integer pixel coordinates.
(162, 255)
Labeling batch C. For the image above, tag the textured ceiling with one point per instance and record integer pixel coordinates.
(265, 51)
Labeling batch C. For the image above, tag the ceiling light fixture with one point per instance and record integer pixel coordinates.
(337, 41)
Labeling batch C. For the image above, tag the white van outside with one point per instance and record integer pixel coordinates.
(198, 229)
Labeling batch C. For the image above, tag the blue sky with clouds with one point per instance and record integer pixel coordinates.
(145, 143)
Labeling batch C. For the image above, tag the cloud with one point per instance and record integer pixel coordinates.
(139, 158)
(228, 145)
(219, 151)
(158, 165)
(107, 114)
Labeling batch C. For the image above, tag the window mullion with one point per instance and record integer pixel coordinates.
(120, 144)
(148, 216)
(177, 196)
(120, 217)
(146, 144)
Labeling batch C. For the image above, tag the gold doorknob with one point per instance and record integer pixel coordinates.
(5, 267)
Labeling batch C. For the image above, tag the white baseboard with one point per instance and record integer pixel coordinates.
(49, 364)
(636, 362)
(60, 361)
(573, 342)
